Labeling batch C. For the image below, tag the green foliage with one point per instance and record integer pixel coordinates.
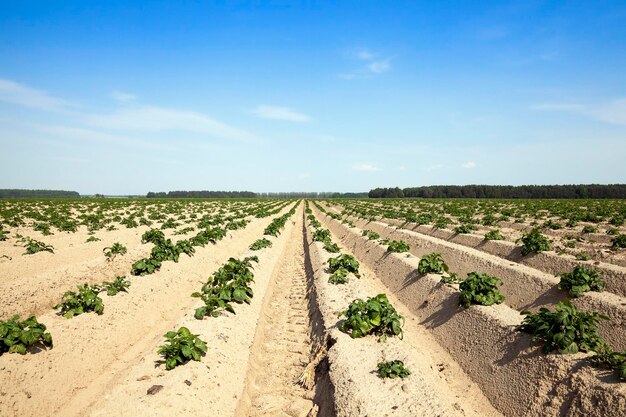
(228, 284)
(465, 228)
(261, 243)
(581, 280)
(398, 246)
(494, 235)
(373, 316)
(321, 235)
(441, 223)
(17, 336)
(432, 263)
(165, 251)
(453, 278)
(611, 360)
(114, 250)
(92, 239)
(590, 229)
(119, 284)
(582, 256)
(371, 235)
(340, 276)
(566, 330)
(208, 236)
(345, 261)
(145, 266)
(44, 228)
(185, 246)
(392, 369)
(33, 246)
(181, 347)
(83, 301)
(618, 241)
(550, 224)
(184, 231)
(534, 242)
(153, 236)
(617, 221)
(331, 247)
(480, 289)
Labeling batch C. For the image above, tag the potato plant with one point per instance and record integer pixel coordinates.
(580, 281)
(432, 263)
(119, 284)
(534, 242)
(180, 347)
(375, 315)
(17, 336)
(494, 235)
(392, 369)
(260, 244)
(565, 330)
(345, 261)
(480, 289)
(83, 301)
(398, 246)
(114, 250)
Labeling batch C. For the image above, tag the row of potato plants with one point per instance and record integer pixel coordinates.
(17, 336)
(566, 330)
(374, 316)
(228, 286)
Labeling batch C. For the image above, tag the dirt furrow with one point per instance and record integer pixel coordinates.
(282, 345)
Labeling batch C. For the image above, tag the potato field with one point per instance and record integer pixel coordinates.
(303, 308)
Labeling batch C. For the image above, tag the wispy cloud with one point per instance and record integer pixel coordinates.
(155, 119)
(365, 167)
(69, 132)
(280, 113)
(16, 93)
(372, 65)
(612, 112)
(469, 165)
(123, 97)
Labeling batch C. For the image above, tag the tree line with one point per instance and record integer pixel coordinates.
(14, 193)
(504, 191)
(202, 194)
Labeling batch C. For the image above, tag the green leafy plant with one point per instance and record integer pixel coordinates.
(345, 261)
(611, 360)
(582, 256)
(228, 284)
(465, 228)
(208, 236)
(92, 239)
(618, 241)
(181, 347)
(581, 280)
(119, 284)
(392, 369)
(565, 330)
(376, 316)
(153, 236)
(494, 235)
(590, 229)
(331, 247)
(480, 289)
(340, 276)
(83, 301)
(17, 336)
(432, 263)
(185, 246)
(260, 244)
(321, 235)
(371, 235)
(114, 250)
(398, 246)
(33, 246)
(534, 242)
(145, 266)
(452, 278)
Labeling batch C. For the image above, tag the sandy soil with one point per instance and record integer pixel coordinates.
(92, 350)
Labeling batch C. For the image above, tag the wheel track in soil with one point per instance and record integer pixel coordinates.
(282, 343)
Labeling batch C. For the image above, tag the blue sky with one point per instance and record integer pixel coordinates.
(121, 97)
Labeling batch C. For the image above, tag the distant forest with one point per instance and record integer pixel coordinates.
(38, 194)
(202, 194)
(250, 194)
(504, 191)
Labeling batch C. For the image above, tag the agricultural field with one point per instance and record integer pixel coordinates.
(339, 307)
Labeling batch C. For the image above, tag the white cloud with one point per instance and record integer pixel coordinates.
(613, 112)
(123, 97)
(68, 132)
(469, 165)
(280, 113)
(365, 167)
(22, 95)
(378, 67)
(364, 54)
(156, 119)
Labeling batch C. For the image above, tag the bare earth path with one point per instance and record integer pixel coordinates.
(282, 345)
